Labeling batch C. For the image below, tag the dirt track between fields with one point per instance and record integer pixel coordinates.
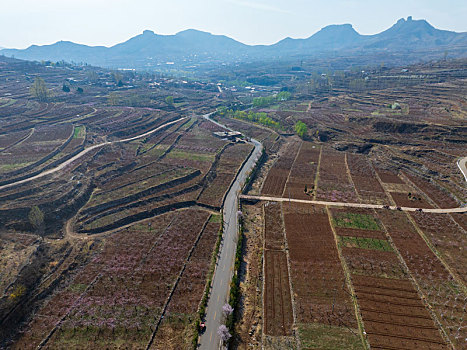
(85, 151)
(352, 205)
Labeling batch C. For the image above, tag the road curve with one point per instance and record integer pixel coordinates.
(461, 164)
(85, 151)
(210, 340)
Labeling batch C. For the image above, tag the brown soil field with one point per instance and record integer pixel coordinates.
(364, 178)
(371, 262)
(363, 174)
(461, 219)
(277, 176)
(334, 182)
(389, 177)
(122, 275)
(303, 172)
(181, 311)
(275, 182)
(442, 292)
(415, 201)
(391, 308)
(401, 310)
(411, 246)
(447, 237)
(277, 304)
(440, 197)
(273, 226)
(249, 327)
(277, 300)
(316, 272)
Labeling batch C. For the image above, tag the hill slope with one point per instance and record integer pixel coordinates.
(192, 46)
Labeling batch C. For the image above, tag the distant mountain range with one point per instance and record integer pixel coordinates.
(149, 50)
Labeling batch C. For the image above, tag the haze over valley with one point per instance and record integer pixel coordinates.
(413, 40)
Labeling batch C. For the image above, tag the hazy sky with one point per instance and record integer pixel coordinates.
(107, 22)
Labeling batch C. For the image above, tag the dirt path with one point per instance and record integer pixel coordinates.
(461, 163)
(84, 152)
(20, 141)
(353, 205)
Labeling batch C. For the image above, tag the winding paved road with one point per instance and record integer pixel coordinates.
(210, 340)
(461, 164)
(85, 151)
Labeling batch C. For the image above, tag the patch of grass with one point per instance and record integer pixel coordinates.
(292, 110)
(353, 220)
(366, 243)
(79, 132)
(143, 227)
(102, 337)
(324, 337)
(216, 218)
(156, 151)
(78, 287)
(177, 330)
(136, 187)
(6, 102)
(12, 166)
(191, 155)
(189, 123)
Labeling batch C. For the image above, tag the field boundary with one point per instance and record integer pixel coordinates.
(289, 269)
(315, 191)
(417, 287)
(348, 279)
(59, 323)
(85, 151)
(21, 140)
(43, 160)
(174, 287)
(349, 174)
(437, 253)
(290, 170)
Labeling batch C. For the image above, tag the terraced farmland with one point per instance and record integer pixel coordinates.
(110, 200)
(109, 214)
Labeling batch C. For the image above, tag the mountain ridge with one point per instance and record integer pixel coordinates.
(149, 49)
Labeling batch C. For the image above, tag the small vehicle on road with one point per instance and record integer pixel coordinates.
(202, 327)
(399, 208)
(419, 209)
